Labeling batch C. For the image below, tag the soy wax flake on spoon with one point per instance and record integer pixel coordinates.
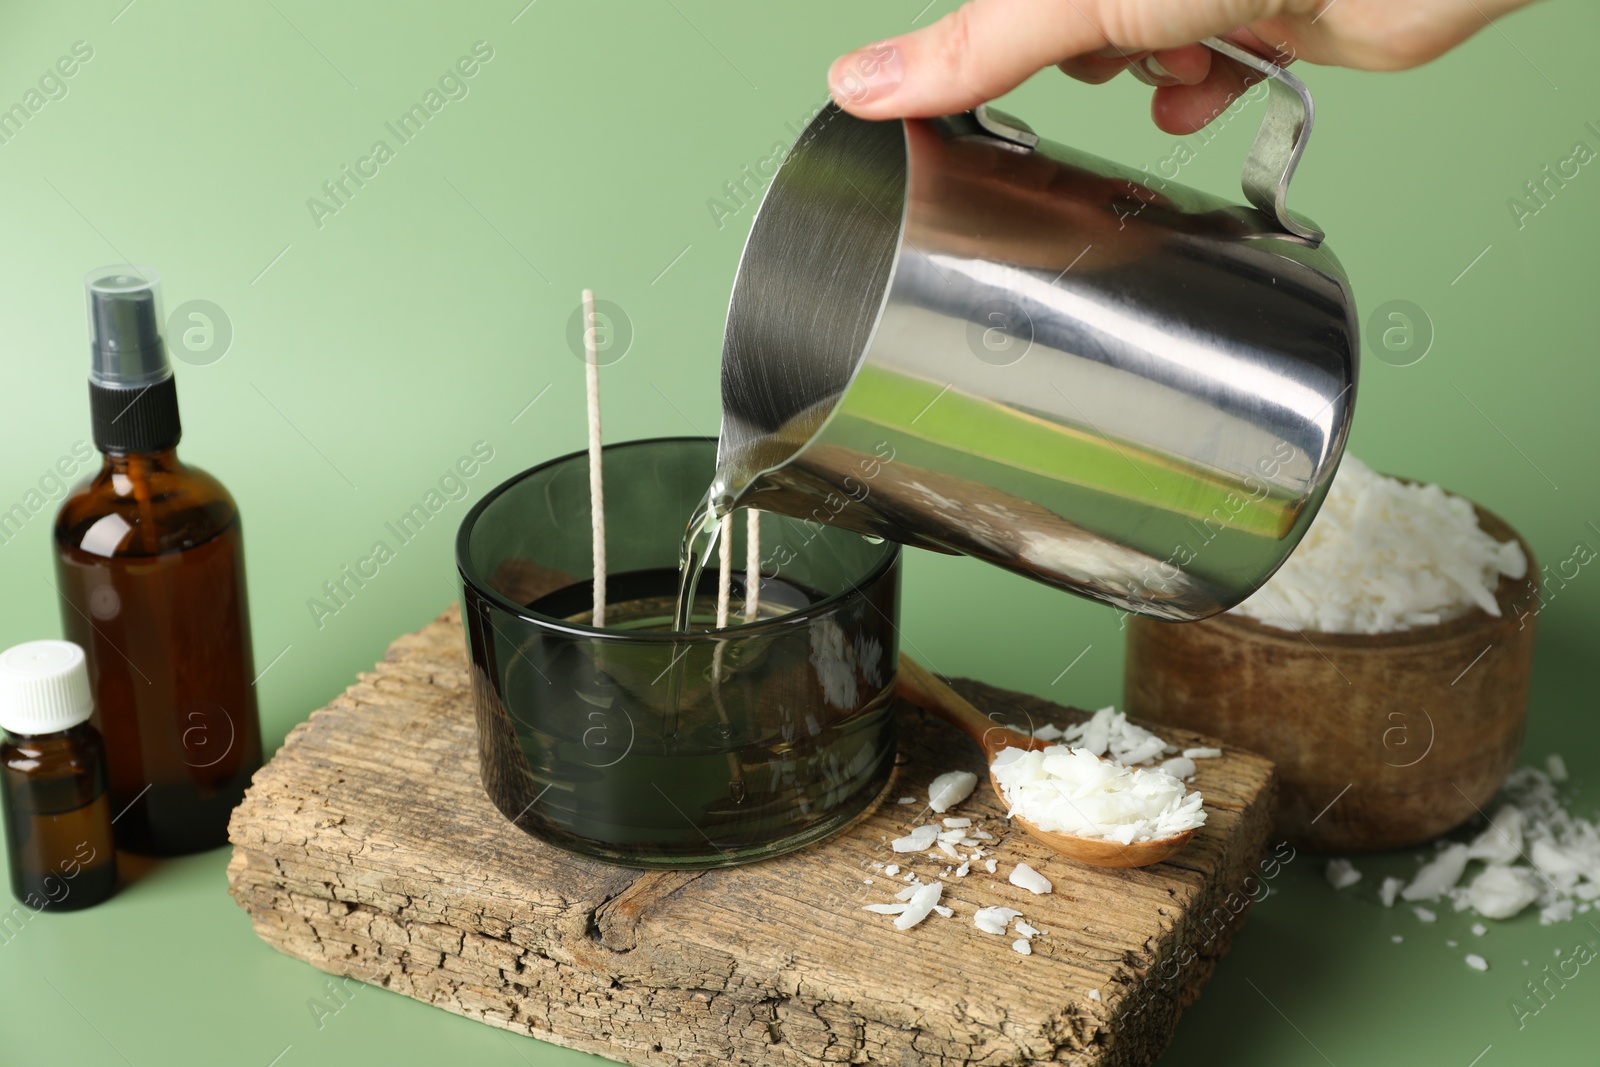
(1072, 791)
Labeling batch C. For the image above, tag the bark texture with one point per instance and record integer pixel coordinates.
(368, 848)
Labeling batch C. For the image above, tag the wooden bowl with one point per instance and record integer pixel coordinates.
(1381, 740)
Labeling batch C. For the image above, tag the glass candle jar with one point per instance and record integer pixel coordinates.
(650, 748)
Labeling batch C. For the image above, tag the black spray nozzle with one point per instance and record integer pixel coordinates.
(125, 327)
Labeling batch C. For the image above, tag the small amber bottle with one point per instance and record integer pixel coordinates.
(150, 566)
(58, 813)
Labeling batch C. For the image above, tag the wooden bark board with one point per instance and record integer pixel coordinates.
(368, 848)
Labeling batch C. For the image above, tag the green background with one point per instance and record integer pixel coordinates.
(372, 351)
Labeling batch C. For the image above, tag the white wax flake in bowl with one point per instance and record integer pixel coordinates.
(957, 824)
(1094, 994)
(950, 789)
(919, 840)
(1341, 874)
(892, 870)
(1384, 555)
(1071, 791)
(1027, 930)
(1027, 878)
(1021, 945)
(1202, 753)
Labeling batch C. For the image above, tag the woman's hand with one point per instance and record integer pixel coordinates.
(988, 47)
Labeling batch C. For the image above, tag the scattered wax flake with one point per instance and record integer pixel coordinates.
(1109, 733)
(994, 919)
(1477, 962)
(1021, 945)
(940, 909)
(950, 789)
(990, 864)
(1202, 753)
(1501, 840)
(1478, 929)
(1027, 930)
(1027, 878)
(957, 824)
(1397, 939)
(961, 871)
(917, 840)
(1341, 874)
(866, 881)
(884, 909)
(1439, 875)
(949, 850)
(1425, 915)
(922, 902)
(1556, 767)
(1501, 892)
(1452, 944)
(906, 800)
(1094, 994)
(1389, 890)
(892, 870)
(1559, 912)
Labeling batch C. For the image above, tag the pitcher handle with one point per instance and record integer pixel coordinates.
(1279, 143)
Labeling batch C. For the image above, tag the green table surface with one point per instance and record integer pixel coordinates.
(373, 345)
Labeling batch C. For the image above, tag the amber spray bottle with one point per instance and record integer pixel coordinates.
(150, 567)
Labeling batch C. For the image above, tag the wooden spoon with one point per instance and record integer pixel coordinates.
(920, 687)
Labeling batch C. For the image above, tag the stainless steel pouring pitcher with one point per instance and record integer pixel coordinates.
(955, 335)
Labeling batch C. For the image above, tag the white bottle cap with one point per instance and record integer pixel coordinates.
(44, 687)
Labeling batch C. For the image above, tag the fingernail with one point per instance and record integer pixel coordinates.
(1150, 71)
(869, 73)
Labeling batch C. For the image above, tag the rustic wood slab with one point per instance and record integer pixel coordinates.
(368, 848)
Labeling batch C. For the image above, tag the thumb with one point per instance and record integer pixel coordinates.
(986, 48)
(982, 50)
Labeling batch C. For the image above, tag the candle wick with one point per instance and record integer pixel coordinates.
(597, 495)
